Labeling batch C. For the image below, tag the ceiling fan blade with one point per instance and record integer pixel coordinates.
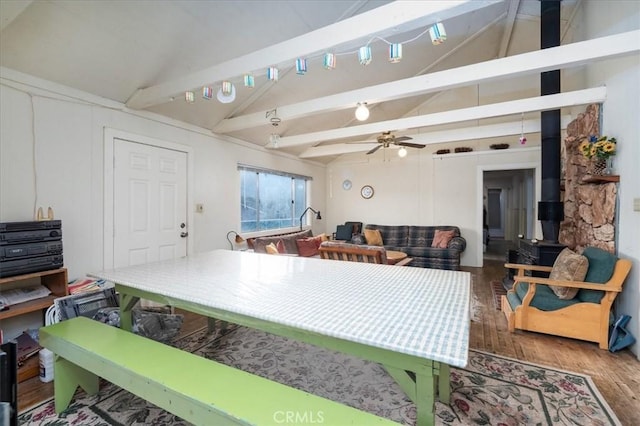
(411, 145)
(403, 138)
(371, 151)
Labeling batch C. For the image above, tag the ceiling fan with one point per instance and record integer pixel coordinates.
(386, 139)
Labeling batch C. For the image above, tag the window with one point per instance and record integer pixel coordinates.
(270, 199)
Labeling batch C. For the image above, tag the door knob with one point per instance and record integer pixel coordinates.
(184, 234)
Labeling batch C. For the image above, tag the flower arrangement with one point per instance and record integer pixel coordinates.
(599, 148)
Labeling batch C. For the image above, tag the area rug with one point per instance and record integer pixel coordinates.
(498, 290)
(492, 390)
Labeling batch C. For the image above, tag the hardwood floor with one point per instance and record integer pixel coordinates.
(616, 375)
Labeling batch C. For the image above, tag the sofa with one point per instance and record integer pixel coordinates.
(289, 243)
(418, 241)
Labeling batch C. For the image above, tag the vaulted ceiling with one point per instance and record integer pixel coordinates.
(146, 54)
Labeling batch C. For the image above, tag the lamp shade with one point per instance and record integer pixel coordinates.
(301, 66)
(329, 61)
(364, 55)
(395, 53)
(249, 81)
(226, 93)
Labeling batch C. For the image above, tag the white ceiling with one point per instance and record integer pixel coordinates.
(113, 49)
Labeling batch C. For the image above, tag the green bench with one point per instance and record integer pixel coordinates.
(198, 390)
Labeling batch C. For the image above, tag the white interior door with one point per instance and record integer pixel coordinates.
(150, 203)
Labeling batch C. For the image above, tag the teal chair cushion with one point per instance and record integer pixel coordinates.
(545, 299)
(601, 266)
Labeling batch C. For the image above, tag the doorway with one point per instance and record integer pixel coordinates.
(509, 201)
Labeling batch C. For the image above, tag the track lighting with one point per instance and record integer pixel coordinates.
(402, 152)
(362, 112)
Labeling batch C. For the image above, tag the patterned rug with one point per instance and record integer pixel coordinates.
(492, 390)
(497, 289)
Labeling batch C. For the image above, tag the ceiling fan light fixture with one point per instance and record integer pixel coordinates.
(402, 152)
(395, 53)
(362, 112)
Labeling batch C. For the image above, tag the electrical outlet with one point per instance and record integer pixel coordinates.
(636, 204)
(200, 208)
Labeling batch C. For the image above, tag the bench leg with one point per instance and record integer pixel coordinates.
(68, 377)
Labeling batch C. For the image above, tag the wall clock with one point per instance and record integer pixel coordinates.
(346, 185)
(366, 192)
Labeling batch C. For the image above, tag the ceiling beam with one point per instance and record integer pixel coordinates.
(570, 55)
(539, 103)
(443, 136)
(508, 27)
(408, 14)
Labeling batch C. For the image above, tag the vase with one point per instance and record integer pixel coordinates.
(598, 166)
(608, 170)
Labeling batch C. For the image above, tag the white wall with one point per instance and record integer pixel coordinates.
(620, 114)
(421, 189)
(51, 154)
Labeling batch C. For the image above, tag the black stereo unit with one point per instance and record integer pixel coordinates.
(9, 268)
(19, 251)
(27, 247)
(25, 232)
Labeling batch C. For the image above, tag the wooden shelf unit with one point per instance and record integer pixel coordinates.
(56, 281)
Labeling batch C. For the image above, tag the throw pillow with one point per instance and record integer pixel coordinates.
(280, 246)
(569, 266)
(601, 265)
(271, 249)
(308, 247)
(441, 238)
(373, 237)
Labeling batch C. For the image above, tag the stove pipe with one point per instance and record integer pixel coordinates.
(550, 208)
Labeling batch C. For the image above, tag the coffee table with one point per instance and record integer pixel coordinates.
(394, 257)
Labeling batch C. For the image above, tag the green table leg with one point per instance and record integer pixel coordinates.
(127, 302)
(444, 383)
(425, 404)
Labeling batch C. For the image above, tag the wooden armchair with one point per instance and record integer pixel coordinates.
(356, 253)
(579, 318)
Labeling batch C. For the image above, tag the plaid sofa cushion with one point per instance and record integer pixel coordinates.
(392, 235)
(421, 236)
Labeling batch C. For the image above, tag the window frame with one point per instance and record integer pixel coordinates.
(295, 219)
